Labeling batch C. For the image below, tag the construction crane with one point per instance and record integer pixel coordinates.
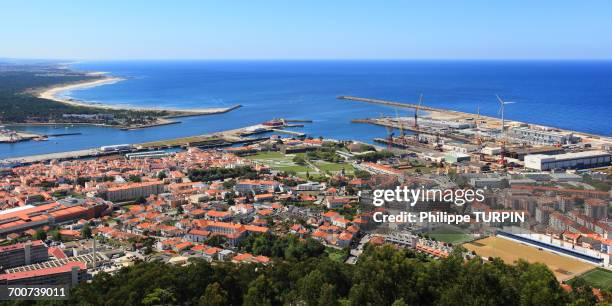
(400, 124)
(479, 135)
(389, 138)
(389, 134)
(416, 112)
(502, 154)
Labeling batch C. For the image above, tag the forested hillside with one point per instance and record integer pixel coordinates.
(383, 276)
(18, 101)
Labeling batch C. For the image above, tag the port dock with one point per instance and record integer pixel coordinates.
(489, 126)
(392, 103)
(299, 134)
(213, 140)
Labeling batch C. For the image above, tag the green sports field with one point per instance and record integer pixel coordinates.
(598, 278)
(281, 162)
(449, 235)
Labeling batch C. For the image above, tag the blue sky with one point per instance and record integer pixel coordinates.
(332, 29)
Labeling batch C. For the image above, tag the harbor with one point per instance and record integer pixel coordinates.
(240, 136)
(469, 127)
(12, 136)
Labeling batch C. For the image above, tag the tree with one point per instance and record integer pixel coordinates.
(382, 276)
(399, 302)
(229, 184)
(582, 292)
(159, 297)
(539, 286)
(259, 292)
(309, 287)
(328, 295)
(148, 243)
(216, 241)
(55, 235)
(362, 174)
(214, 295)
(161, 175)
(40, 235)
(374, 156)
(299, 160)
(359, 295)
(86, 231)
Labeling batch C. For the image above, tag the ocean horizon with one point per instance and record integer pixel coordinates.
(568, 94)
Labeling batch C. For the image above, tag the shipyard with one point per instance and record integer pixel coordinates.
(205, 197)
(306, 153)
(488, 142)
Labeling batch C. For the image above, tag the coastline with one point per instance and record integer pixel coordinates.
(51, 93)
(488, 121)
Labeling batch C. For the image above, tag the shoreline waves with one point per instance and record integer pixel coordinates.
(51, 93)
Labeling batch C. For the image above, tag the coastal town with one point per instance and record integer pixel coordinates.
(306, 153)
(73, 217)
(30, 95)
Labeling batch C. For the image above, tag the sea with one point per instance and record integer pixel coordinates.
(573, 95)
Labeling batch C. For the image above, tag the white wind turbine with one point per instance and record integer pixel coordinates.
(501, 110)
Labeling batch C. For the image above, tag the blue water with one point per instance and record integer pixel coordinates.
(568, 94)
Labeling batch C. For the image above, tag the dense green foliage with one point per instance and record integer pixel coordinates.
(326, 154)
(362, 174)
(289, 247)
(599, 278)
(213, 174)
(18, 102)
(374, 156)
(299, 160)
(382, 276)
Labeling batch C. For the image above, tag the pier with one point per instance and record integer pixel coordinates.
(483, 122)
(14, 137)
(394, 103)
(299, 120)
(213, 140)
(63, 134)
(51, 156)
(299, 134)
(144, 126)
(203, 113)
(387, 123)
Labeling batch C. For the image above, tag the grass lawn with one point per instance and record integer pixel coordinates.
(334, 167)
(335, 255)
(266, 155)
(278, 161)
(449, 235)
(598, 278)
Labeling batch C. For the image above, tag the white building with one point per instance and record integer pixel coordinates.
(579, 160)
(310, 186)
(541, 136)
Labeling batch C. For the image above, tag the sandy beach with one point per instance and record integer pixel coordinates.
(51, 93)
